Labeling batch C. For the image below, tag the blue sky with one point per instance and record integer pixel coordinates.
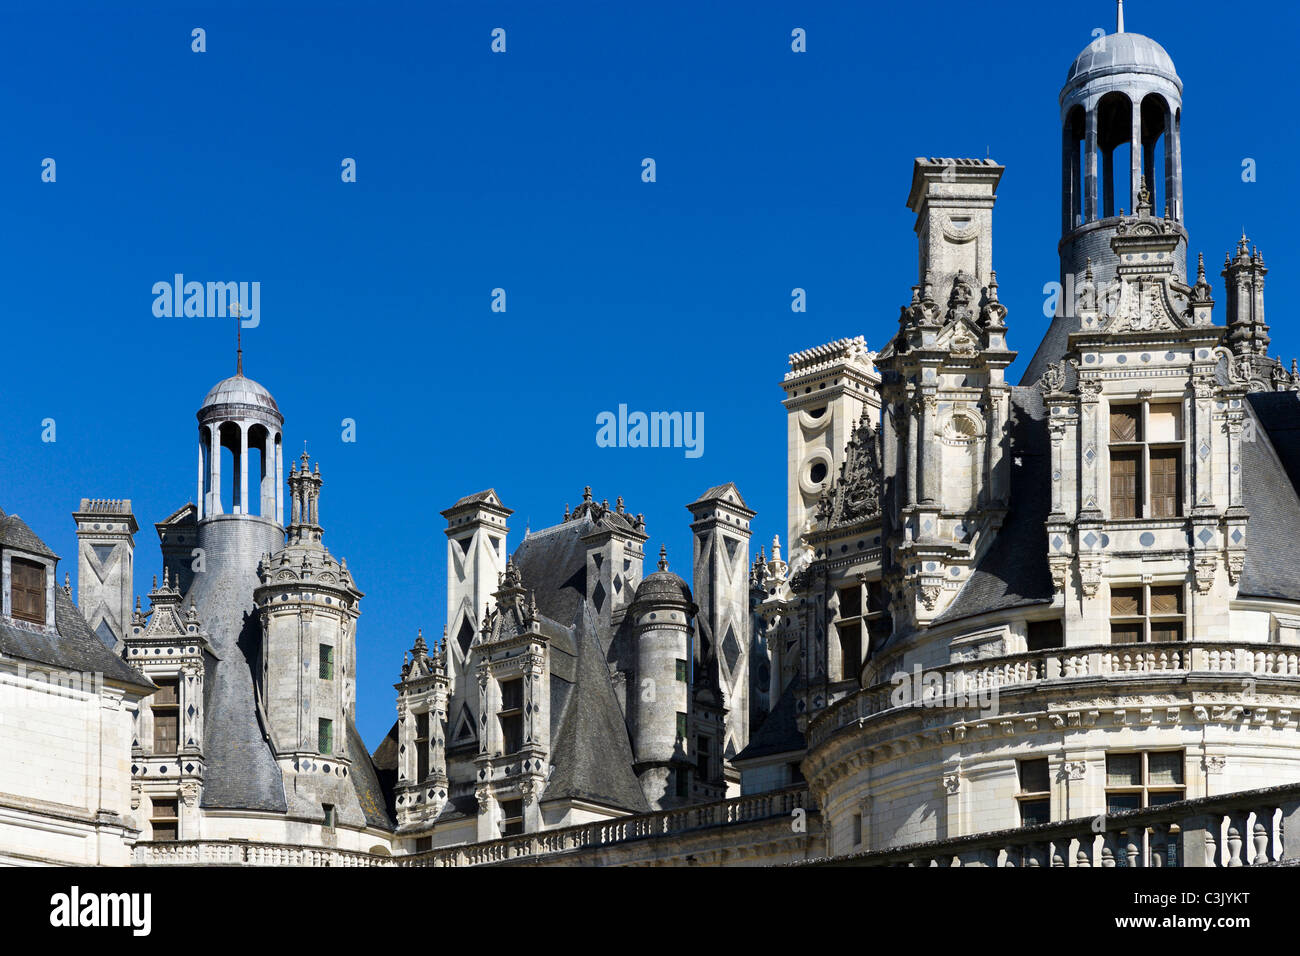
(522, 171)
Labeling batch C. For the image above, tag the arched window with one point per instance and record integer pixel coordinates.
(1114, 136)
(1074, 166)
(1157, 158)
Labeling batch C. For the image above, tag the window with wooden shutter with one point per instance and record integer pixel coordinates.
(1125, 487)
(1146, 613)
(421, 746)
(164, 818)
(1125, 423)
(1166, 484)
(27, 590)
(166, 715)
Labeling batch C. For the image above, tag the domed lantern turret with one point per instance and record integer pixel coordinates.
(240, 415)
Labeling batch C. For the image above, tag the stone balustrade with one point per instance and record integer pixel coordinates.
(965, 680)
(590, 836)
(1245, 828)
(248, 853)
(732, 812)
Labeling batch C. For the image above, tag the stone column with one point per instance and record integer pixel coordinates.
(243, 471)
(279, 478)
(929, 452)
(199, 498)
(214, 470)
(1174, 143)
(1135, 157)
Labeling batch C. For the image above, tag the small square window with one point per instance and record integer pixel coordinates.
(1034, 776)
(1044, 634)
(1123, 770)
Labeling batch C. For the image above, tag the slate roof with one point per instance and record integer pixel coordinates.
(76, 648)
(241, 773)
(375, 799)
(590, 749)
(1270, 483)
(1014, 570)
(553, 563)
(719, 493)
(14, 533)
(779, 733)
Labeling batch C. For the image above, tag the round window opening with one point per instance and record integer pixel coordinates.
(817, 474)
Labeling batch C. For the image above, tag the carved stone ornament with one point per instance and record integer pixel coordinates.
(855, 494)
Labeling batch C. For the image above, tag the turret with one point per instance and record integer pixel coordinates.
(1243, 280)
(309, 607)
(662, 612)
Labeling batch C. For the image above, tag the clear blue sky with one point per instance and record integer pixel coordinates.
(522, 171)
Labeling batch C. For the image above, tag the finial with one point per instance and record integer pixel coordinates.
(239, 343)
(155, 582)
(618, 504)
(586, 494)
(1119, 18)
(1200, 267)
(663, 557)
(566, 511)
(67, 583)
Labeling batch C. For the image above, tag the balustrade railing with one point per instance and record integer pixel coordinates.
(1246, 828)
(962, 681)
(732, 812)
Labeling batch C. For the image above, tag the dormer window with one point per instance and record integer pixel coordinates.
(27, 590)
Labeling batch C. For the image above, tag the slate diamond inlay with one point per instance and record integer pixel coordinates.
(1090, 540)
(1205, 535)
(1057, 542)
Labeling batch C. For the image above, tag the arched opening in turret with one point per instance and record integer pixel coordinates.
(1114, 135)
(205, 471)
(261, 476)
(1157, 158)
(1074, 166)
(231, 467)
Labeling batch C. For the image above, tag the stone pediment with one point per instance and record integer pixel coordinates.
(959, 338)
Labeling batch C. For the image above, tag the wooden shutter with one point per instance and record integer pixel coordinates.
(1166, 496)
(166, 717)
(1125, 490)
(27, 590)
(1124, 423)
(1125, 602)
